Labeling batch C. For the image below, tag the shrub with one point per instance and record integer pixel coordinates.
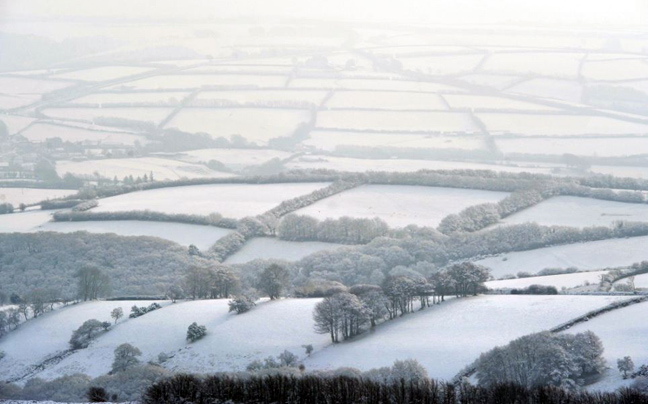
(196, 332)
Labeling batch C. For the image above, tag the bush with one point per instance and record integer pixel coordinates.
(97, 395)
(196, 332)
(83, 335)
(241, 304)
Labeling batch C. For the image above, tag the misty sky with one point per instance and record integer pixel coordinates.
(600, 12)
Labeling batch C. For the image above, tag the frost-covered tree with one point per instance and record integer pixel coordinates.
(125, 357)
(625, 366)
(83, 335)
(309, 348)
(241, 304)
(175, 292)
(468, 278)
(273, 280)
(287, 358)
(542, 359)
(341, 314)
(196, 332)
(92, 283)
(117, 313)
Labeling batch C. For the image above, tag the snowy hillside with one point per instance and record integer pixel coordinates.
(623, 333)
(41, 338)
(585, 256)
(232, 341)
(448, 337)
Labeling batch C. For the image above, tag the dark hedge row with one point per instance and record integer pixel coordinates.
(279, 389)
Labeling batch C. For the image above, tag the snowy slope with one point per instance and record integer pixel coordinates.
(624, 332)
(558, 281)
(585, 256)
(450, 336)
(232, 342)
(400, 205)
(35, 340)
(230, 200)
(580, 212)
(202, 237)
(24, 221)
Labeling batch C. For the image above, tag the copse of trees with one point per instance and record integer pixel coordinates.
(344, 315)
(214, 282)
(543, 359)
(344, 230)
(51, 260)
(6, 208)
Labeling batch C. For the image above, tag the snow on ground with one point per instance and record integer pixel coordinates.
(584, 256)
(580, 212)
(623, 333)
(232, 341)
(235, 159)
(202, 237)
(24, 221)
(640, 281)
(405, 165)
(268, 248)
(450, 336)
(230, 200)
(28, 196)
(35, 340)
(162, 169)
(400, 205)
(558, 281)
(16, 123)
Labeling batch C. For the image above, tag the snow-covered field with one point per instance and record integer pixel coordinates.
(29, 86)
(330, 140)
(580, 212)
(155, 115)
(477, 102)
(442, 65)
(546, 64)
(373, 85)
(232, 341)
(162, 169)
(558, 281)
(588, 147)
(406, 165)
(235, 159)
(16, 196)
(559, 125)
(450, 336)
(266, 96)
(584, 256)
(40, 132)
(24, 221)
(256, 125)
(565, 90)
(186, 81)
(399, 121)
(102, 73)
(36, 340)
(399, 205)
(386, 100)
(168, 98)
(273, 248)
(623, 333)
(16, 123)
(230, 200)
(202, 237)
